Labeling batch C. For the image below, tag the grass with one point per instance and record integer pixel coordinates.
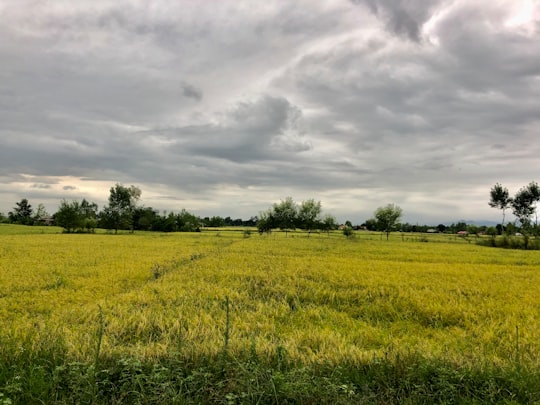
(220, 317)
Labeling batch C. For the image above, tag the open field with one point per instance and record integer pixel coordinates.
(217, 316)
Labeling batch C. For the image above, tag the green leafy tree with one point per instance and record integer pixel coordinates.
(122, 203)
(89, 212)
(348, 231)
(146, 219)
(328, 223)
(500, 199)
(69, 216)
(492, 232)
(187, 222)
(215, 222)
(40, 215)
(387, 218)
(22, 213)
(371, 224)
(76, 217)
(309, 215)
(285, 214)
(534, 195)
(524, 205)
(265, 222)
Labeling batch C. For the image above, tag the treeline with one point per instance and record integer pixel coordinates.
(288, 215)
(460, 226)
(122, 212)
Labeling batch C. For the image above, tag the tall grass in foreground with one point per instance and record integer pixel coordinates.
(221, 318)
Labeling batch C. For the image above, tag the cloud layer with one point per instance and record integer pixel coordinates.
(225, 107)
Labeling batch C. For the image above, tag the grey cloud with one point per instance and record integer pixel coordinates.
(329, 98)
(191, 91)
(253, 130)
(41, 186)
(402, 17)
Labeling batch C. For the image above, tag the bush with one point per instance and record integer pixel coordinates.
(524, 242)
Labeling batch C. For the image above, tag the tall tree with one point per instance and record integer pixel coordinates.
(285, 214)
(524, 205)
(69, 216)
(387, 217)
(22, 213)
(500, 198)
(89, 211)
(534, 193)
(40, 215)
(122, 203)
(308, 215)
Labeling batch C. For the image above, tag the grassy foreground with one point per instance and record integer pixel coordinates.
(217, 317)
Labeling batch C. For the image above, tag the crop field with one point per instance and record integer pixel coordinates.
(228, 317)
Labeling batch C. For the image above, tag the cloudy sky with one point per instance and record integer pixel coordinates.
(224, 107)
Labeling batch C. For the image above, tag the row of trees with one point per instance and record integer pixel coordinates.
(288, 215)
(123, 212)
(24, 214)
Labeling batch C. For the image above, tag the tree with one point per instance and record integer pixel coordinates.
(499, 198)
(265, 222)
(348, 231)
(69, 216)
(40, 215)
(146, 219)
(187, 222)
(534, 195)
(122, 203)
(215, 222)
(387, 218)
(524, 205)
(22, 213)
(308, 214)
(285, 214)
(371, 224)
(492, 232)
(89, 212)
(328, 223)
(76, 217)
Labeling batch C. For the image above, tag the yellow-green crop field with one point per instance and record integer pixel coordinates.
(319, 300)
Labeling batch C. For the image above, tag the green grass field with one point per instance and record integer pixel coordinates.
(221, 317)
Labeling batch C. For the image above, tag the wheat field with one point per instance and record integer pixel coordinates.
(319, 300)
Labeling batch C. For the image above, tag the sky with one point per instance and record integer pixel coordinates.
(226, 107)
